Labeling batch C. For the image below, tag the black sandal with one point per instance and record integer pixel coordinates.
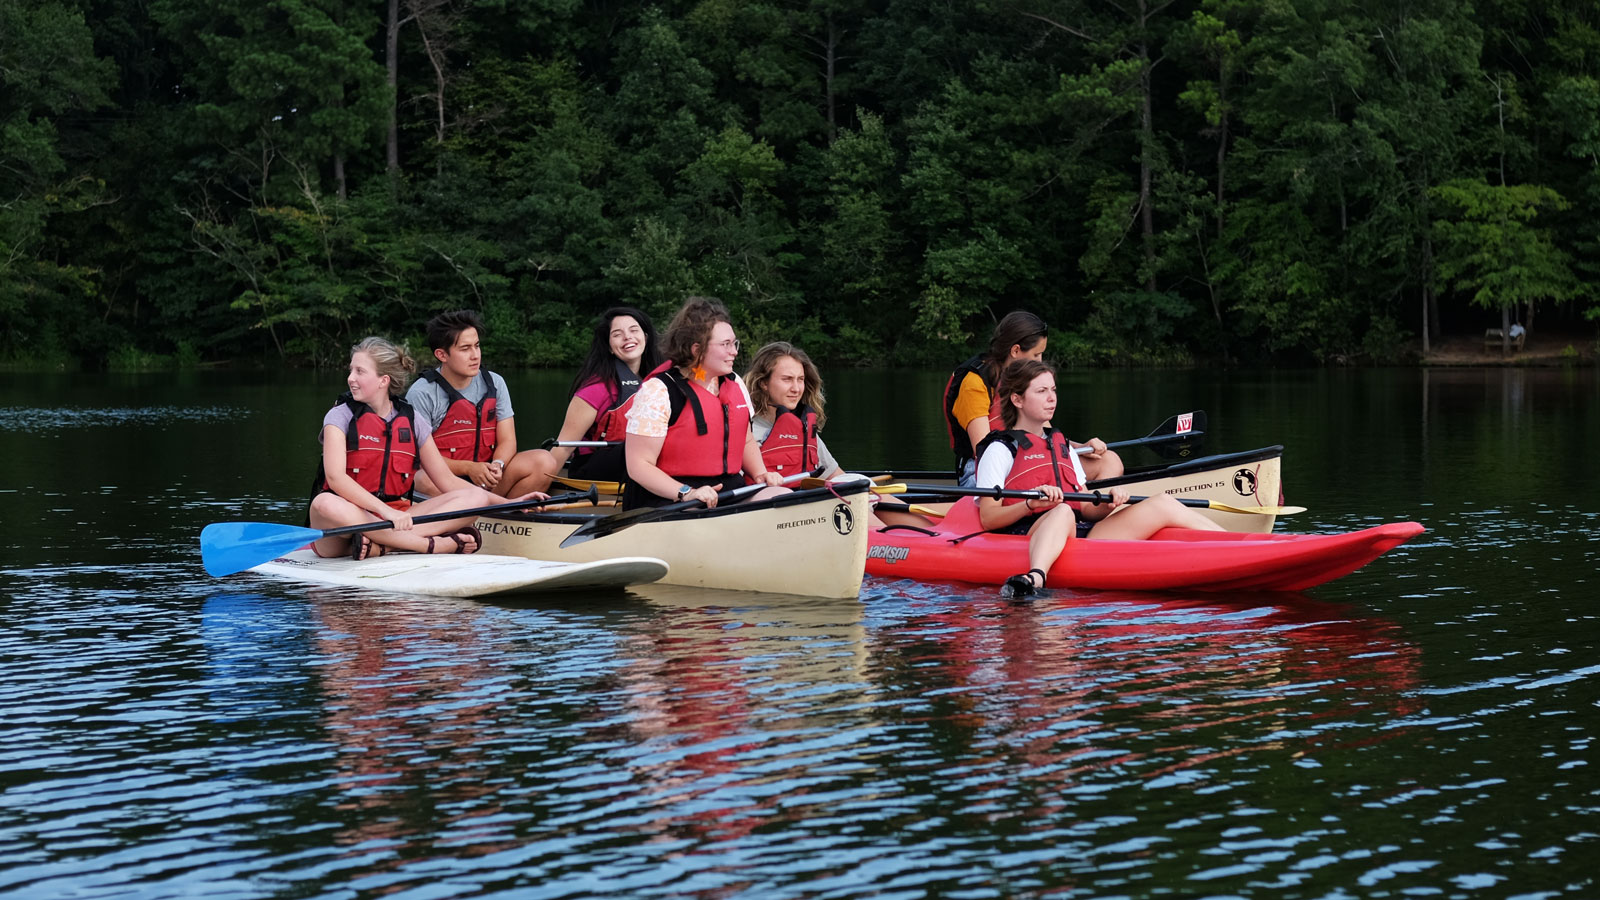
(363, 547)
(1023, 585)
(460, 538)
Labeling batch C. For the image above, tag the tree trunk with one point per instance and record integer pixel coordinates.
(338, 176)
(1430, 307)
(831, 57)
(1147, 218)
(1505, 330)
(1222, 182)
(391, 58)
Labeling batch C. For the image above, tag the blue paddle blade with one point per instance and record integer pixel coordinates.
(229, 547)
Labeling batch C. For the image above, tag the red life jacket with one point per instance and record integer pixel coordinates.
(468, 430)
(960, 442)
(612, 424)
(1037, 461)
(381, 456)
(791, 445)
(710, 442)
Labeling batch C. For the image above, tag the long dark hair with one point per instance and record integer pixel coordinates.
(1015, 380)
(599, 365)
(1019, 328)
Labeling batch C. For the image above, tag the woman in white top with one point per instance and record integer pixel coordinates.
(1029, 455)
(688, 433)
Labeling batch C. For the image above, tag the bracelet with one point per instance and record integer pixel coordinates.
(1028, 505)
(498, 462)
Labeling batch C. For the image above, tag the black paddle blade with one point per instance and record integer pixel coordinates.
(1183, 448)
(601, 526)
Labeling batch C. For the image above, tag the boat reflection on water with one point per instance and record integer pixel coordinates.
(1085, 685)
(712, 722)
(733, 698)
(414, 700)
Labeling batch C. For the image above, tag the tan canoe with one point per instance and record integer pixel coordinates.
(1248, 478)
(811, 542)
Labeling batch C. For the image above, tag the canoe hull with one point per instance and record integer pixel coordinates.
(811, 542)
(1173, 559)
(1250, 478)
(473, 575)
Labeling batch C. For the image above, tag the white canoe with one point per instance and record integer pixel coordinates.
(811, 542)
(473, 575)
(1248, 478)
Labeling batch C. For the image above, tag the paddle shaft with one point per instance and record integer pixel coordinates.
(613, 524)
(229, 547)
(592, 495)
(1165, 433)
(998, 493)
(553, 443)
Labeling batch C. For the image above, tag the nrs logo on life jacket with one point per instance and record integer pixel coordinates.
(791, 445)
(380, 455)
(468, 430)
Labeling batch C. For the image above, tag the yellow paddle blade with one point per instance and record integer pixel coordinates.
(606, 488)
(808, 483)
(1255, 510)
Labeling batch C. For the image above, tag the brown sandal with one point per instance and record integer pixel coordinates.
(363, 547)
(460, 538)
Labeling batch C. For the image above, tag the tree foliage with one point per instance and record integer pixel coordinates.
(1162, 181)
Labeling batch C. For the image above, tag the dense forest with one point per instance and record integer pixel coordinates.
(189, 181)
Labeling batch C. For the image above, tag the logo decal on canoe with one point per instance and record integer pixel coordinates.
(844, 521)
(1244, 483)
(890, 555)
(1185, 423)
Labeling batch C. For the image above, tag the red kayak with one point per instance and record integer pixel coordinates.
(1172, 559)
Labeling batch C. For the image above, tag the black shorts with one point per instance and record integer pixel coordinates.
(635, 497)
(1020, 526)
(604, 464)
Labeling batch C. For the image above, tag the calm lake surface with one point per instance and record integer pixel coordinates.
(1424, 727)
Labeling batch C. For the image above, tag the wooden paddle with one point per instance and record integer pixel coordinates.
(606, 488)
(930, 490)
(608, 525)
(229, 547)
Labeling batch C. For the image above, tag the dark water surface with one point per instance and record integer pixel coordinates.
(1424, 727)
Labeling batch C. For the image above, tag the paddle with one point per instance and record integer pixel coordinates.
(552, 443)
(606, 488)
(229, 547)
(607, 525)
(929, 490)
(1165, 433)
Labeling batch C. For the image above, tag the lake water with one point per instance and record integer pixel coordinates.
(1424, 727)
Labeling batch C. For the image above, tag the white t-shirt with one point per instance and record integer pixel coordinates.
(995, 465)
(431, 401)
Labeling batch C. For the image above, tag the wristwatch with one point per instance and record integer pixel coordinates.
(683, 491)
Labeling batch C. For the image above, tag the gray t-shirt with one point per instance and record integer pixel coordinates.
(431, 401)
(340, 416)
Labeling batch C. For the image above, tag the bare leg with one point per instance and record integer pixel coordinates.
(1049, 536)
(1109, 465)
(1137, 521)
(530, 470)
(329, 510)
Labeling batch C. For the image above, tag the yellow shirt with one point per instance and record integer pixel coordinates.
(972, 400)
